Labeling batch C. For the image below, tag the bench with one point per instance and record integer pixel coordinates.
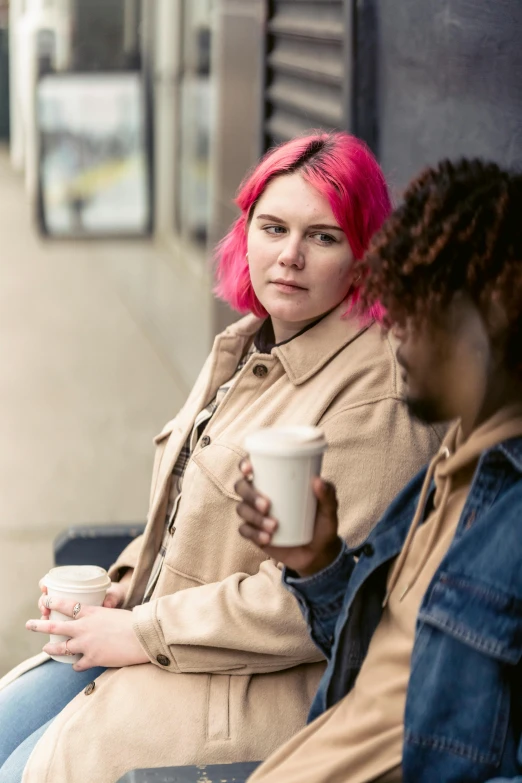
(210, 773)
(94, 544)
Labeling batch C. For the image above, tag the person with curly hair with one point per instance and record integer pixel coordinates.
(422, 623)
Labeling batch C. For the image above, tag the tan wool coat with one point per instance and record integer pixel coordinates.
(232, 670)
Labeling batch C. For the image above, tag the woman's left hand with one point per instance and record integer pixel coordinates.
(104, 637)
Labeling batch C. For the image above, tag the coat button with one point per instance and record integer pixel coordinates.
(205, 440)
(163, 660)
(368, 550)
(260, 370)
(89, 689)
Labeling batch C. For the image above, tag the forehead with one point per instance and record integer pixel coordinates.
(290, 195)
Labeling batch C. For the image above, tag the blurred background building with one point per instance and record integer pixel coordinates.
(217, 83)
(226, 79)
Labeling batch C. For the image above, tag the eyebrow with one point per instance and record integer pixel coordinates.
(314, 225)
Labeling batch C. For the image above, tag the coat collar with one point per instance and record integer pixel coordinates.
(308, 353)
(305, 355)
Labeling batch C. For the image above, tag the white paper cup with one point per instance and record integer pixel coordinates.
(85, 584)
(284, 461)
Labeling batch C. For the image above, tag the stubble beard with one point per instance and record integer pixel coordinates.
(424, 410)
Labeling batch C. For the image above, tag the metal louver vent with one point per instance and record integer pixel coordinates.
(304, 68)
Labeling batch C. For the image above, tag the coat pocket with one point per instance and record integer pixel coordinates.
(467, 645)
(218, 707)
(479, 615)
(220, 464)
(171, 580)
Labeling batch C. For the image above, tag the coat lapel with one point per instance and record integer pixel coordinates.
(222, 363)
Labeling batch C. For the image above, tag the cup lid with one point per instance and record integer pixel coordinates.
(287, 441)
(77, 578)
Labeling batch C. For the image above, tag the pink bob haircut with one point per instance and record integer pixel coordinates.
(344, 171)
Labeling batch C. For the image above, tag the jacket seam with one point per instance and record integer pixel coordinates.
(362, 404)
(155, 625)
(298, 380)
(231, 494)
(183, 574)
(460, 632)
(393, 363)
(237, 670)
(458, 748)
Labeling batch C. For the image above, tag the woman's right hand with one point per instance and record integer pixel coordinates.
(117, 592)
(259, 527)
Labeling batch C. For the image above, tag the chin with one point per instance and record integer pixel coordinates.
(288, 312)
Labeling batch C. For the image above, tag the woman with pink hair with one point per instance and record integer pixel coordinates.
(208, 658)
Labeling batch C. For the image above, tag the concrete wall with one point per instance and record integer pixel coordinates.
(439, 79)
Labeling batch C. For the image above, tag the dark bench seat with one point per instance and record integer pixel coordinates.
(211, 773)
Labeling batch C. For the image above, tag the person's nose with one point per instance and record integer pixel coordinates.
(292, 254)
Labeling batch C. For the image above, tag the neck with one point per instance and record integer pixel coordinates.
(284, 331)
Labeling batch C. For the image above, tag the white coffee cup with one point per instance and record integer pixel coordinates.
(284, 461)
(84, 584)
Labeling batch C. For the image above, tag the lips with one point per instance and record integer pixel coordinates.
(288, 285)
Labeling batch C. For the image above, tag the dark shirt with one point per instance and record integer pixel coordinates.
(264, 339)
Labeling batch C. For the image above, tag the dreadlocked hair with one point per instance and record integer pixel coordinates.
(459, 228)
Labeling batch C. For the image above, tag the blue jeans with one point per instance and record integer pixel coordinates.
(29, 705)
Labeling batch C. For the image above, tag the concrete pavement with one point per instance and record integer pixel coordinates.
(82, 393)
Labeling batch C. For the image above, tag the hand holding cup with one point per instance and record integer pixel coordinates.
(83, 630)
(117, 592)
(85, 585)
(114, 598)
(259, 526)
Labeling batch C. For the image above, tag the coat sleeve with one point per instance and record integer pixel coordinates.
(251, 623)
(245, 624)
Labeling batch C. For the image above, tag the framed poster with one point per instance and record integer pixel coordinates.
(93, 158)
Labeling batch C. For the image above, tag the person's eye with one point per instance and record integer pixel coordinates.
(274, 230)
(325, 239)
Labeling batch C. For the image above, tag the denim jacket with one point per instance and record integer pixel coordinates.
(463, 716)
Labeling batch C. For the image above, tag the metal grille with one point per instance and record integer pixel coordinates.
(304, 67)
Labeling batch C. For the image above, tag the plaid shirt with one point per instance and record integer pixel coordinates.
(202, 419)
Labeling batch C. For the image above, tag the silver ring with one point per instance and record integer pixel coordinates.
(67, 651)
(77, 608)
(47, 602)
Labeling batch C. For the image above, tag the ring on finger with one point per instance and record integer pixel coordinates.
(48, 602)
(67, 651)
(77, 608)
